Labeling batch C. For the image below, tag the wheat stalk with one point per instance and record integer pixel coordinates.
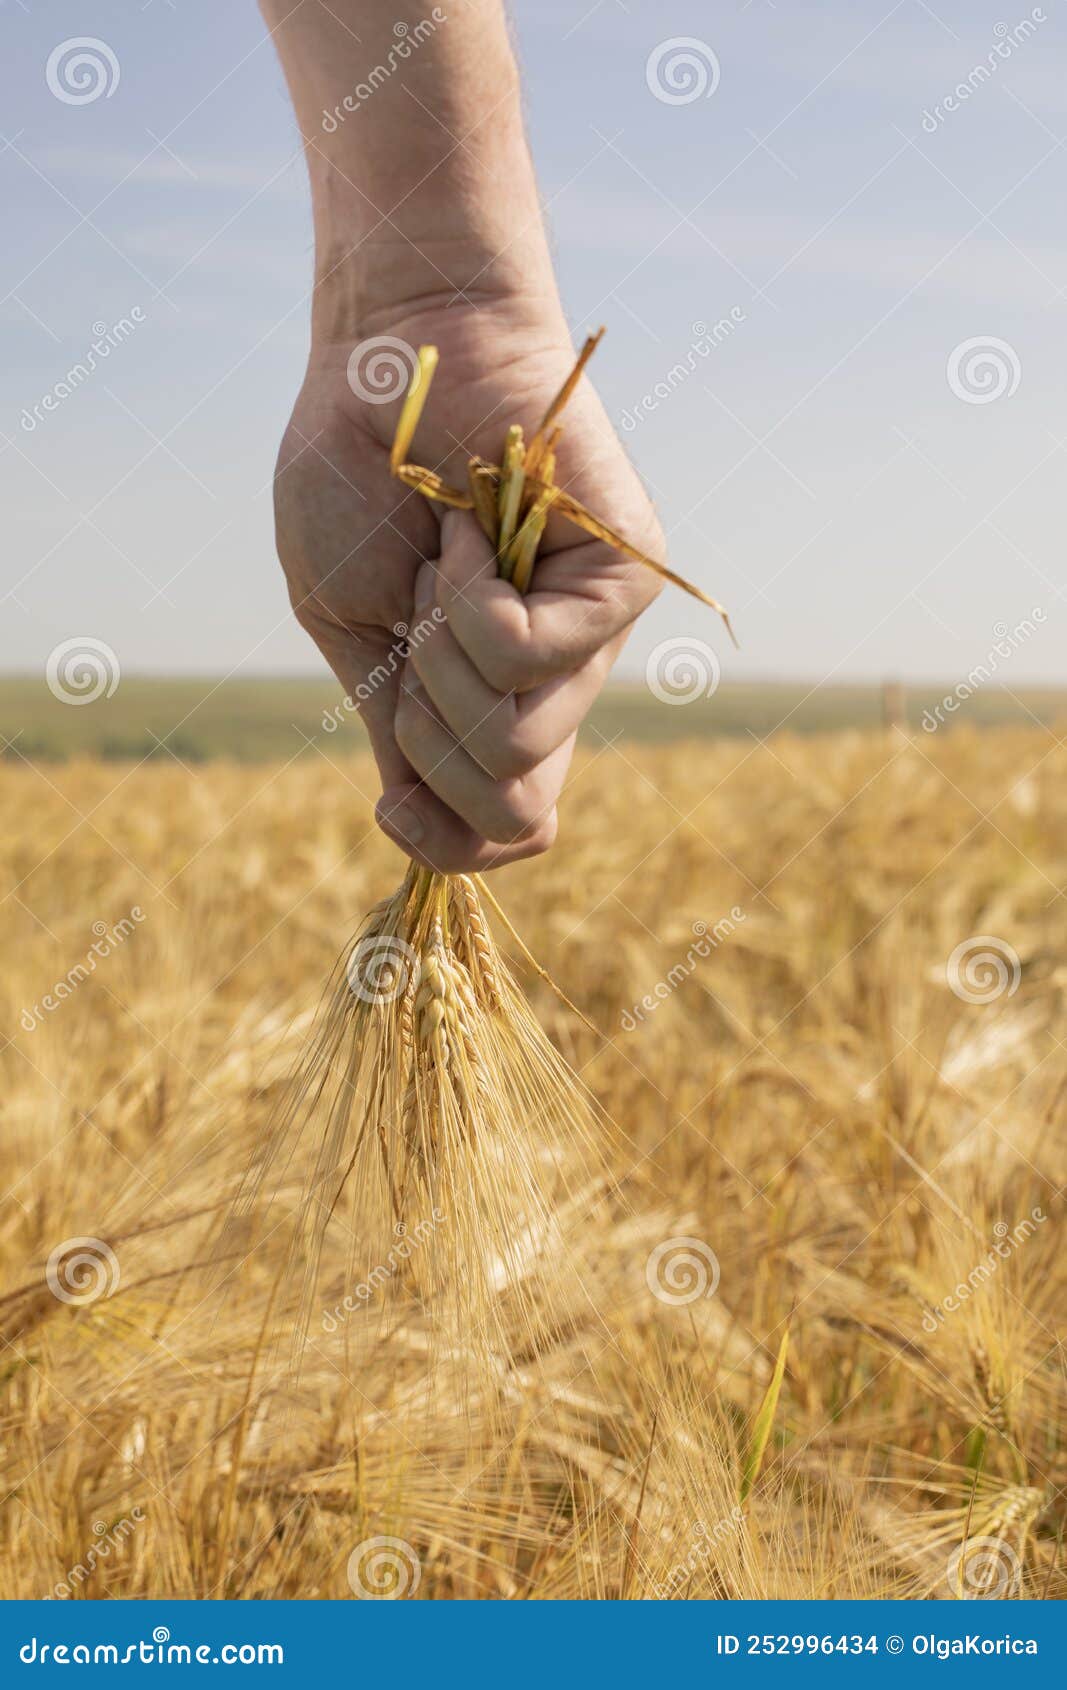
(436, 1091)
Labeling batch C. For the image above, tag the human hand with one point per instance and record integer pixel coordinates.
(472, 716)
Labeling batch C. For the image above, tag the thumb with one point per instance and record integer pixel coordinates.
(582, 597)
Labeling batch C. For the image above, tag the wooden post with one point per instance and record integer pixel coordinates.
(894, 707)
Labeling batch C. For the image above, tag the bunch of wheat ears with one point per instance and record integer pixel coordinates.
(450, 1117)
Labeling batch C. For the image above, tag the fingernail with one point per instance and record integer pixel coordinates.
(403, 822)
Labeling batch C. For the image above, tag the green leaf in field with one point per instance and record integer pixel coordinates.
(761, 1428)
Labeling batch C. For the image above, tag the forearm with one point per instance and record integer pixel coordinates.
(421, 180)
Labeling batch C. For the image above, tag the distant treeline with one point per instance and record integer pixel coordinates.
(271, 720)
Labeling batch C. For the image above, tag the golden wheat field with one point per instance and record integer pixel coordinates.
(831, 1081)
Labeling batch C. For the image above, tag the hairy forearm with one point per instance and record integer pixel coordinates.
(421, 180)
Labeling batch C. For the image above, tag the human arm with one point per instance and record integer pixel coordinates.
(428, 228)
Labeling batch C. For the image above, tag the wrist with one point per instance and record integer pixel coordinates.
(365, 285)
(422, 185)
(464, 228)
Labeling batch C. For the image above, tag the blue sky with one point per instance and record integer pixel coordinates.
(818, 469)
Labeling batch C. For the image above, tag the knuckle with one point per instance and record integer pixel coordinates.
(496, 666)
(302, 605)
(509, 755)
(312, 604)
(531, 667)
(510, 667)
(518, 809)
(542, 837)
(548, 831)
